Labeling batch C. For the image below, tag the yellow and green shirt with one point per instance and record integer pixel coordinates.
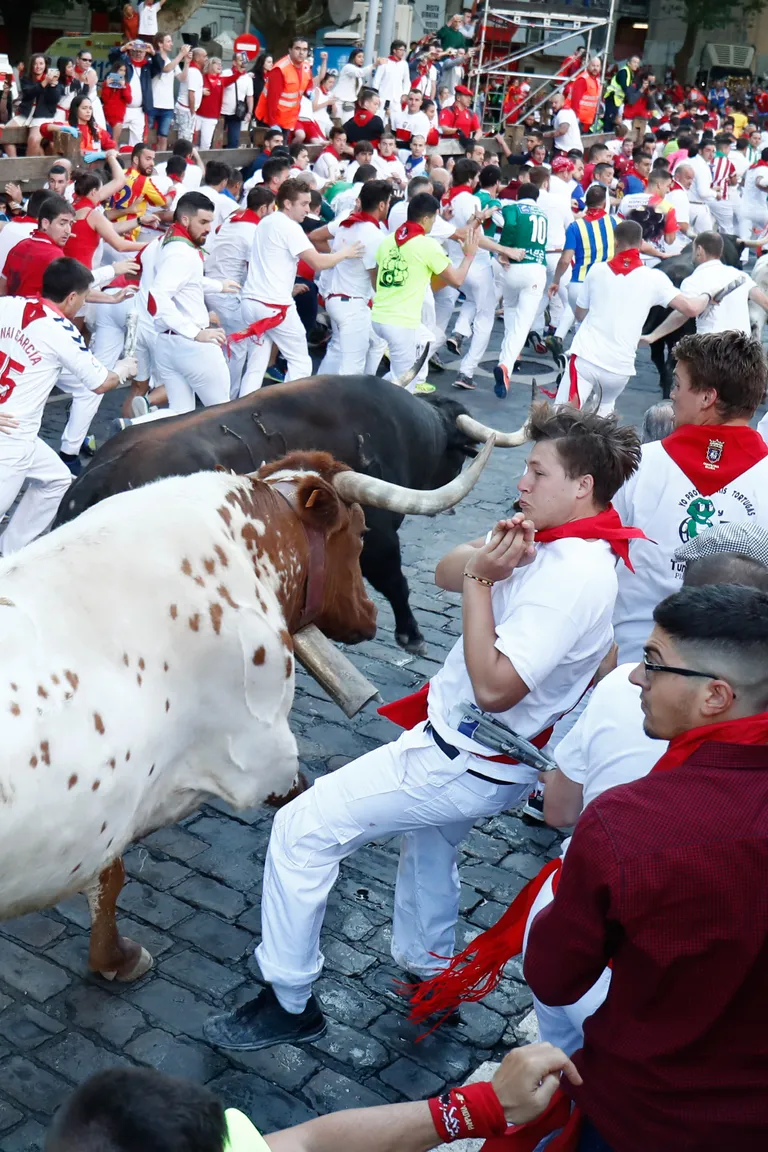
(404, 275)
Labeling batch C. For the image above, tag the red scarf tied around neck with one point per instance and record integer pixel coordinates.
(713, 455)
(452, 193)
(360, 218)
(595, 213)
(407, 232)
(362, 117)
(179, 232)
(624, 262)
(605, 525)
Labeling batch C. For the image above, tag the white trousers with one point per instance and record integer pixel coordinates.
(585, 376)
(568, 317)
(403, 348)
(229, 309)
(85, 405)
(701, 218)
(406, 787)
(136, 123)
(49, 478)
(752, 218)
(445, 300)
(206, 127)
(564, 1026)
(559, 305)
(353, 347)
(188, 368)
(479, 287)
(146, 339)
(108, 323)
(522, 288)
(289, 337)
(722, 211)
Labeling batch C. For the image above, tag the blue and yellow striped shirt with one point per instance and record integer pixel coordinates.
(592, 243)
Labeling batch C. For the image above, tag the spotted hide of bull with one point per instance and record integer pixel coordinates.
(146, 664)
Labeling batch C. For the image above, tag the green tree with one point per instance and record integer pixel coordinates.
(702, 15)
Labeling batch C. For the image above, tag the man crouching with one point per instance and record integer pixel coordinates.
(538, 597)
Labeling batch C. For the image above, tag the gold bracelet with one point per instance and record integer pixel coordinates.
(479, 579)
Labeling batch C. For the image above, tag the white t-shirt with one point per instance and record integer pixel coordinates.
(753, 196)
(406, 124)
(732, 313)
(351, 277)
(230, 250)
(137, 96)
(607, 745)
(328, 167)
(277, 244)
(464, 206)
(618, 308)
(148, 19)
(739, 161)
(162, 89)
(392, 80)
(390, 168)
(223, 206)
(660, 499)
(178, 290)
(572, 138)
(553, 623)
(193, 84)
(11, 235)
(559, 216)
(191, 180)
(36, 343)
(240, 90)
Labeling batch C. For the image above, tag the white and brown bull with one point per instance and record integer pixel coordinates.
(147, 663)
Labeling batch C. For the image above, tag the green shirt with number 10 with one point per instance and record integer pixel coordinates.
(525, 226)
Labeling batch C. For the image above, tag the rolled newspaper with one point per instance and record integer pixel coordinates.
(333, 671)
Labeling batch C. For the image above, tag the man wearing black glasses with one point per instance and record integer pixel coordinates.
(665, 880)
(712, 470)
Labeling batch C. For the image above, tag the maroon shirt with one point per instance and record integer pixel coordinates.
(668, 879)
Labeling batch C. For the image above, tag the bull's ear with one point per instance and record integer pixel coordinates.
(317, 502)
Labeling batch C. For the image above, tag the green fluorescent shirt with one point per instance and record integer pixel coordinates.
(525, 226)
(403, 278)
(487, 201)
(241, 1134)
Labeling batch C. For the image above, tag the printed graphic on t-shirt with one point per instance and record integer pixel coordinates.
(394, 271)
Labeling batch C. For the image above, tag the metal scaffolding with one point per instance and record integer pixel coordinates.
(546, 27)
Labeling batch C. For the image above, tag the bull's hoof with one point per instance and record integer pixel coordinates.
(301, 785)
(416, 645)
(136, 964)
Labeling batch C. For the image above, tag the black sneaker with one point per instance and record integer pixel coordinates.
(263, 1022)
(436, 363)
(454, 343)
(463, 381)
(72, 462)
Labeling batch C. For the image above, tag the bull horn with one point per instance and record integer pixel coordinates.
(479, 433)
(593, 401)
(404, 380)
(375, 493)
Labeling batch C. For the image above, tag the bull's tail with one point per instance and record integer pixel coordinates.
(404, 380)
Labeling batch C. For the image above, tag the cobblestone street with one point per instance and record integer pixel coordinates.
(193, 899)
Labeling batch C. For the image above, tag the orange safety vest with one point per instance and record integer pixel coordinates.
(295, 85)
(586, 112)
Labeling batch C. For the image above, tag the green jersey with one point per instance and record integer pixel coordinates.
(525, 226)
(487, 201)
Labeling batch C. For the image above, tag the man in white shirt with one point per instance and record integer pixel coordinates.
(37, 342)
(613, 304)
(268, 308)
(703, 192)
(712, 470)
(148, 12)
(239, 93)
(188, 354)
(753, 210)
(393, 78)
(407, 122)
(165, 66)
(348, 288)
(135, 118)
(190, 94)
(388, 163)
(214, 182)
(559, 216)
(565, 134)
(709, 278)
(228, 259)
(333, 158)
(536, 626)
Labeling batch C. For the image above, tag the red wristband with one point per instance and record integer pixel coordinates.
(474, 1111)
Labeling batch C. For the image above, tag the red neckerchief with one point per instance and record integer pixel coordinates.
(179, 232)
(452, 193)
(330, 148)
(407, 232)
(759, 164)
(215, 81)
(713, 455)
(395, 58)
(359, 218)
(244, 215)
(676, 187)
(625, 262)
(393, 159)
(362, 117)
(176, 179)
(605, 525)
(139, 63)
(632, 171)
(595, 213)
(748, 730)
